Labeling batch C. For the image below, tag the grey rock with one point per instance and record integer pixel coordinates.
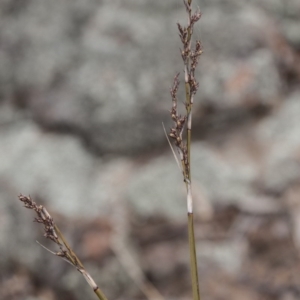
(223, 38)
(241, 83)
(286, 14)
(228, 255)
(18, 233)
(90, 69)
(157, 188)
(291, 29)
(154, 189)
(102, 70)
(280, 133)
(223, 182)
(54, 168)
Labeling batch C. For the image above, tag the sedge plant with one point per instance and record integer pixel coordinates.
(65, 252)
(180, 133)
(190, 56)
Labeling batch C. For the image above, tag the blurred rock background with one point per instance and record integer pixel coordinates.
(84, 89)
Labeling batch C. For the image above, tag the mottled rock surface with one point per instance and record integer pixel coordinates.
(84, 89)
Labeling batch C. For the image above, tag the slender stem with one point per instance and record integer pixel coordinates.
(76, 262)
(73, 257)
(193, 258)
(92, 284)
(192, 243)
(100, 294)
(53, 233)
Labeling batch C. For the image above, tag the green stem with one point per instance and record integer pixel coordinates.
(75, 260)
(100, 294)
(78, 264)
(193, 258)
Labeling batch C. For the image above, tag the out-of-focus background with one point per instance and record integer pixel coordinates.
(84, 89)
